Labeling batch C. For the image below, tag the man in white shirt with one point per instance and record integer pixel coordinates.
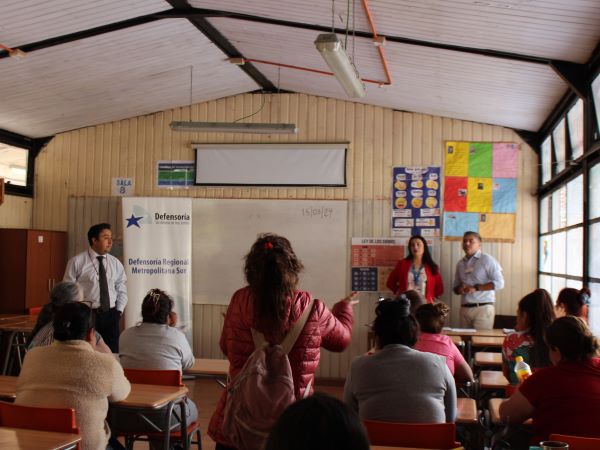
(102, 279)
(477, 277)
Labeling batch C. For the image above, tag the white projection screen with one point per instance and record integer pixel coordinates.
(271, 164)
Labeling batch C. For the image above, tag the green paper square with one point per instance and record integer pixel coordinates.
(480, 159)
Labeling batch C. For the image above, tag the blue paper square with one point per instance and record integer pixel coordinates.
(457, 223)
(504, 195)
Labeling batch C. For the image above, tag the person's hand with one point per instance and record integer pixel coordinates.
(468, 289)
(351, 298)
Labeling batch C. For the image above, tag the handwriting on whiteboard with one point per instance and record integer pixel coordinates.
(321, 212)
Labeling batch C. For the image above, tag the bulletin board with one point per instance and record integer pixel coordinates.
(480, 189)
(224, 230)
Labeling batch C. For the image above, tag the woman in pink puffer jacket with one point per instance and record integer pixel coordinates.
(271, 304)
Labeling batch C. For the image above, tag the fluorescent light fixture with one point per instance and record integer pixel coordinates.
(235, 127)
(333, 52)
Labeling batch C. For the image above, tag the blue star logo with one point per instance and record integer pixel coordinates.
(134, 221)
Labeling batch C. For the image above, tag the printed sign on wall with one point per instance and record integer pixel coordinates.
(416, 202)
(372, 261)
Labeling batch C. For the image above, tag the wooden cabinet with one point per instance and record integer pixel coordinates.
(31, 263)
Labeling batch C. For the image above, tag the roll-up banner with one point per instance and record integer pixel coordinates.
(157, 254)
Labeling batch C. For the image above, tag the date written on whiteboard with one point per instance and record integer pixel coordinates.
(322, 212)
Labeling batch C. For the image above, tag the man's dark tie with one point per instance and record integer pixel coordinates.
(102, 280)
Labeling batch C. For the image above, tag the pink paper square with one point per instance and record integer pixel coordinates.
(505, 160)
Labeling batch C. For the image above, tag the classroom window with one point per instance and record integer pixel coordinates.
(545, 214)
(559, 208)
(545, 254)
(558, 284)
(545, 282)
(575, 122)
(546, 160)
(559, 252)
(594, 250)
(13, 164)
(594, 185)
(596, 98)
(574, 248)
(575, 201)
(558, 139)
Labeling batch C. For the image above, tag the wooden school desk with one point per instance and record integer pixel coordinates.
(8, 387)
(492, 379)
(466, 411)
(22, 439)
(16, 329)
(209, 368)
(145, 397)
(488, 359)
(494, 406)
(487, 341)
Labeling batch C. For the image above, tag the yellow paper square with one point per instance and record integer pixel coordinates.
(479, 195)
(457, 159)
(497, 226)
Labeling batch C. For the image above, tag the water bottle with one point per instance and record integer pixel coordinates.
(522, 369)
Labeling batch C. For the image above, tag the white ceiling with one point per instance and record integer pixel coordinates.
(146, 68)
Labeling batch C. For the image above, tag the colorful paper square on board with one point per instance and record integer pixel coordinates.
(480, 159)
(506, 156)
(455, 194)
(457, 159)
(497, 226)
(479, 195)
(504, 195)
(457, 223)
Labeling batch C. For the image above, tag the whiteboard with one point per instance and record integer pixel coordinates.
(224, 230)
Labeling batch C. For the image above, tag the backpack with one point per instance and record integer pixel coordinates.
(262, 390)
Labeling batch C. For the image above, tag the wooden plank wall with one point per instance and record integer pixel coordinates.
(82, 163)
(16, 212)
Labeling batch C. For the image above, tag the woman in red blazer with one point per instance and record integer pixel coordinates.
(417, 271)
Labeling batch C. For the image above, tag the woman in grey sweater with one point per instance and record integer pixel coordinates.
(398, 383)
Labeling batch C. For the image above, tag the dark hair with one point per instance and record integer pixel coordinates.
(540, 314)
(319, 422)
(72, 321)
(475, 234)
(95, 230)
(394, 324)
(573, 300)
(572, 337)
(271, 270)
(61, 293)
(414, 298)
(156, 306)
(432, 317)
(427, 259)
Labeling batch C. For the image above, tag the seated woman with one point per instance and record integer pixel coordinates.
(573, 302)
(43, 331)
(70, 374)
(155, 344)
(431, 318)
(563, 398)
(398, 383)
(535, 313)
(331, 423)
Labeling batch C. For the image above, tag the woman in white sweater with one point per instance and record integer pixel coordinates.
(70, 374)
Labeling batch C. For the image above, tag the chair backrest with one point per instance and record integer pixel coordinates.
(418, 435)
(158, 377)
(34, 311)
(576, 442)
(60, 420)
(502, 321)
